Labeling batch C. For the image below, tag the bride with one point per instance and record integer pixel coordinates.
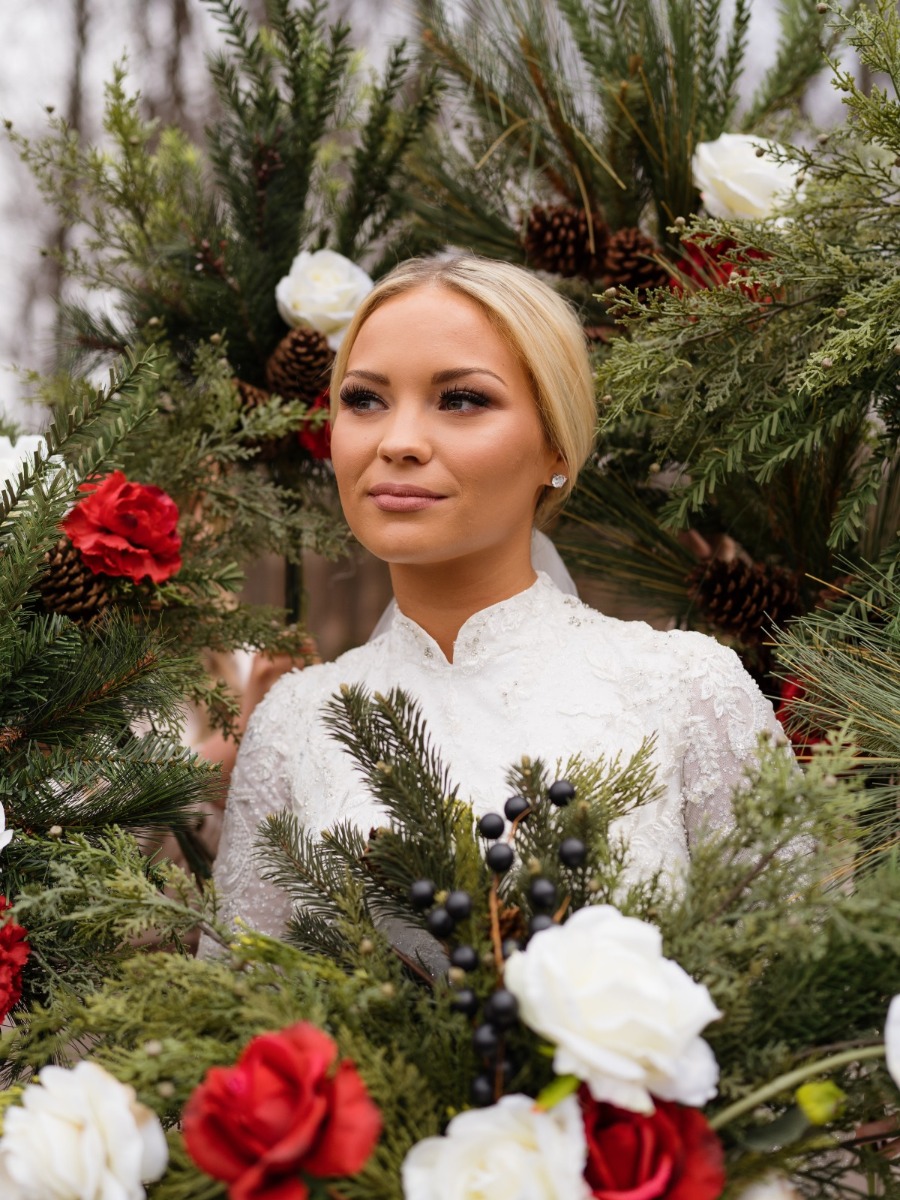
(462, 411)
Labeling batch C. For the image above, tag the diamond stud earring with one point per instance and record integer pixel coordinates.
(558, 481)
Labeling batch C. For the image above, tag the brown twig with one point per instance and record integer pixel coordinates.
(495, 927)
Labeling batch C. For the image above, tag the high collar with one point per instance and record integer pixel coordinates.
(487, 634)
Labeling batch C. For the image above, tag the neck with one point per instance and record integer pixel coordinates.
(441, 597)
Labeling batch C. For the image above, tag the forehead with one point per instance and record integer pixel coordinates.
(429, 316)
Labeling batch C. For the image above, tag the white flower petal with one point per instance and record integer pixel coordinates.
(80, 1135)
(323, 290)
(734, 181)
(510, 1151)
(892, 1039)
(621, 1017)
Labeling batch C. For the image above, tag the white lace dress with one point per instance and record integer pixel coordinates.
(540, 674)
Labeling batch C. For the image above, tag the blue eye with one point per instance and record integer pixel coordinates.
(360, 399)
(463, 400)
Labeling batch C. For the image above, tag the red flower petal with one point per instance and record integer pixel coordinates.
(280, 1112)
(670, 1155)
(125, 529)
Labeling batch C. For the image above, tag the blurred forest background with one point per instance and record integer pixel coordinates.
(58, 55)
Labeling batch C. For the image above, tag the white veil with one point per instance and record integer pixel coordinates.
(544, 557)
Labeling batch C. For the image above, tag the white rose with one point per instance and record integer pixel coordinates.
(510, 1151)
(892, 1039)
(324, 290)
(12, 457)
(734, 181)
(80, 1135)
(622, 1018)
(775, 1187)
(6, 835)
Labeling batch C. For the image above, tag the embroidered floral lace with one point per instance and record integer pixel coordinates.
(539, 674)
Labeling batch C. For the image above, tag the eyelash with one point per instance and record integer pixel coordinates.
(350, 396)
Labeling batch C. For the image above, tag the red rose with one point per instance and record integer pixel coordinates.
(788, 711)
(126, 529)
(317, 441)
(671, 1155)
(711, 264)
(284, 1110)
(14, 951)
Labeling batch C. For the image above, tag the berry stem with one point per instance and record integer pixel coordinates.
(495, 928)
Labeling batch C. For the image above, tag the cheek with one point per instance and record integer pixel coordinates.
(508, 460)
(348, 454)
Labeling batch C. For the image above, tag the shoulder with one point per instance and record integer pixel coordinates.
(297, 697)
(684, 653)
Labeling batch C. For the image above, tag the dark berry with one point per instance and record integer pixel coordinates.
(515, 806)
(491, 825)
(501, 1009)
(572, 852)
(482, 1091)
(561, 793)
(500, 857)
(421, 893)
(510, 946)
(484, 1039)
(464, 957)
(465, 1001)
(458, 905)
(439, 922)
(542, 893)
(539, 922)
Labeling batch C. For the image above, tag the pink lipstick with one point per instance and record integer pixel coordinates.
(402, 497)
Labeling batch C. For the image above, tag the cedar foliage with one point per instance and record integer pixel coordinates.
(765, 923)
(762, 409)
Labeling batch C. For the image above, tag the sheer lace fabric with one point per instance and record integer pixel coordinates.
(539, 674)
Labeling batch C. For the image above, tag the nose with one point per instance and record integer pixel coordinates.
(404, 436)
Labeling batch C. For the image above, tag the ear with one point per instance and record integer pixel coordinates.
(556, 464)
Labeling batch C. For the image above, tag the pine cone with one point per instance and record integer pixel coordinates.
(298, 366)
(250, 394)
(70, 588)
(745, 599)
(268, 449)
(557, 240)
(630, 262)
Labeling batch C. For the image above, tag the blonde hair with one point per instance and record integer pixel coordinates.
(539, 326)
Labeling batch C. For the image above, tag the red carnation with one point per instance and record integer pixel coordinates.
(14, 951)
(710, 264)
(126, 529)
(317, 441)
(284, 1110)
(670, 1155)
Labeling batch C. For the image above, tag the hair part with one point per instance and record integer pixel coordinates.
(540, 327)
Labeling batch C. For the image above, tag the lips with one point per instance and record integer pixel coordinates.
(403, 497)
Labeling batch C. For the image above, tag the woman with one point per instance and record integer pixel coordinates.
(462, 412)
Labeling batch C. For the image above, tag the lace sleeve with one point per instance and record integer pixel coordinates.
(260, 785)
(726, 714)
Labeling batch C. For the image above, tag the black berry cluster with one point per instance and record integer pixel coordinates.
(500, 1011)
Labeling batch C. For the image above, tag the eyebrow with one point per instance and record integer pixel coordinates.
(439, 376)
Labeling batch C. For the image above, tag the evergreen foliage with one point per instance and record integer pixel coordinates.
(89, 715)
(800, 964)
(306, 153)
(591, 103)
(760, 409)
